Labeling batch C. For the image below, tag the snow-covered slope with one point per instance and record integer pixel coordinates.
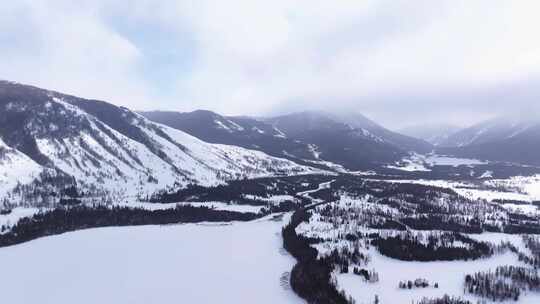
(15, 168)
(350, 140)
(247, 132)
(105, 149)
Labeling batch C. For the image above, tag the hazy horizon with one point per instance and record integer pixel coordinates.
(450, 62)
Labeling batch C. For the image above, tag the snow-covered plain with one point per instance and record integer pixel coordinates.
(439, 160)
(526, 184)
(449, 275)
(419, 162)
(204, 263)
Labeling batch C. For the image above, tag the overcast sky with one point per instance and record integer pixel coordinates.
(399, 62)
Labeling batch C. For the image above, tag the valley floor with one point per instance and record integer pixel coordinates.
(191, 263)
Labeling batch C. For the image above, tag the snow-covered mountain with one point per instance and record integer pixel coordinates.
(58, 140)
(350, 140)
(242, 131)
(491, 130)
(436, 134)
(402, 141)
(512, 139)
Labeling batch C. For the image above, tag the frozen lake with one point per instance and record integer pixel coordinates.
(236, 263)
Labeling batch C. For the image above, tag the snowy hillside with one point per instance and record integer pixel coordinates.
(104, 149)
(349, 140)
(16, 168)
(247, 132)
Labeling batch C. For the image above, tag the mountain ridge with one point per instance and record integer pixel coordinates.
(108, 150)
(506, 139)
(354, 142)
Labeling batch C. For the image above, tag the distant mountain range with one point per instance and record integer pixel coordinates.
(50, 142)
(351, 140)
(506, 139)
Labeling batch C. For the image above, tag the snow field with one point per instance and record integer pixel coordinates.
(449, 275)
(229, 263)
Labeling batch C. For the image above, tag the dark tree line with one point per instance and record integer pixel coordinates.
(235, 190)
(311, 278)
(445, 223)
(65, 219)
(506, 283)
(408, 248)
(522, 227)
(444, 300)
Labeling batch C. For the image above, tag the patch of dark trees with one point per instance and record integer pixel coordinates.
(444, 300)
(310, 277)
(506, 283)
(69, 201)
(236, 190)
(364, 273)
(387, 224)
(521, 229)
(382, 189)
(522, 224)
(445, 223)
(418, 283)
(410, 249)
(344, 257)
(327, 195)
(507, 201)
(65, 219)
(71, 191)
(533, 256)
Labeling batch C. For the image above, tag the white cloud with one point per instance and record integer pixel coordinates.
(258, 56)
(67, 47)
(253, 56)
